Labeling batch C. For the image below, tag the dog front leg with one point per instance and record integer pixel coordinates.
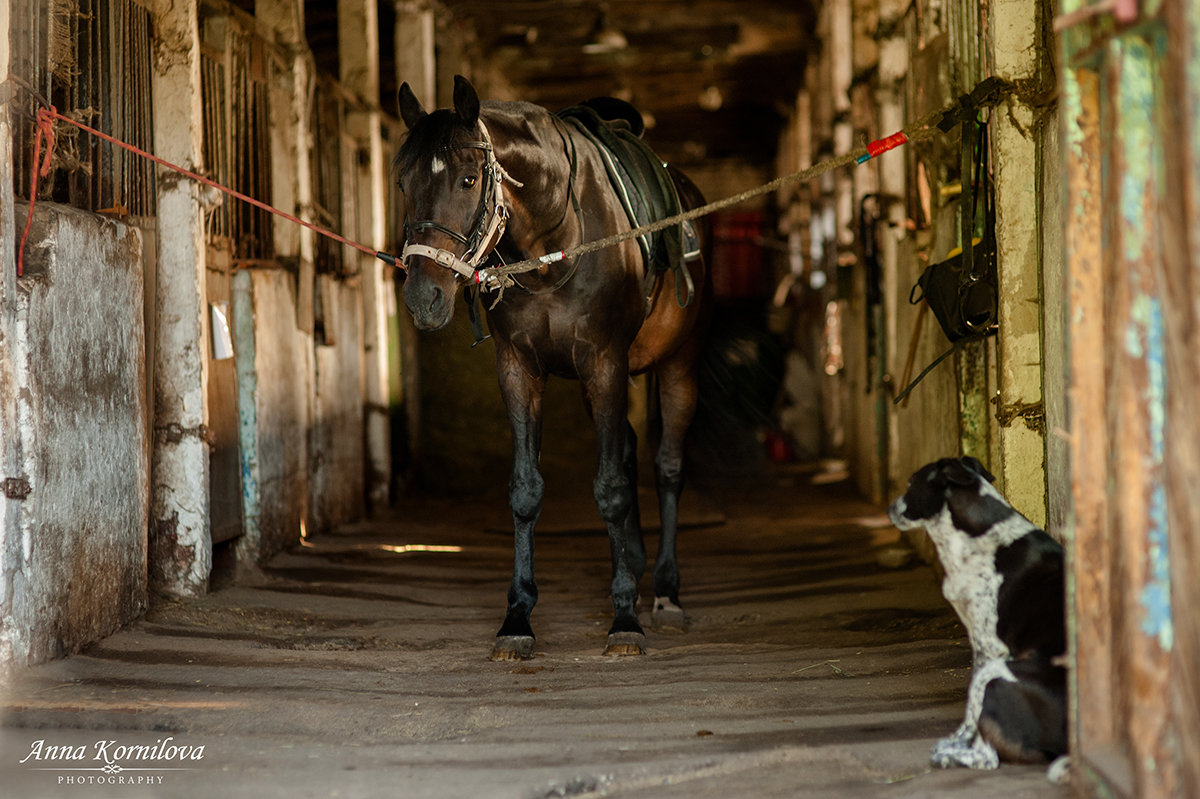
(966, 747)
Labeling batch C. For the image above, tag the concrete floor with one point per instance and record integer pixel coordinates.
(358, 668)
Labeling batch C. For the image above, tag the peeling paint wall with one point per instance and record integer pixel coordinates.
(1019, 49)
(119, 496)
(73, 552)
(180, 540)
(275, 361)
(337, 481)
(987, 399)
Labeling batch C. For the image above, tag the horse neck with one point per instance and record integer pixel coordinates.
(529, 146)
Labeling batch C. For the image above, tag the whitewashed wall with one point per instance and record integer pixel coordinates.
(73, 552)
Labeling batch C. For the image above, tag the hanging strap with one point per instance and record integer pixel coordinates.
(956, 346)
(471, 297)
(970, 124)
(972, 155)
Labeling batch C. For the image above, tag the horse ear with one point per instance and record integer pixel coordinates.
(466, 101)
(410, 107)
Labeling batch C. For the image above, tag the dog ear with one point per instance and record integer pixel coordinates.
(974, 465)
(410, 107)
(974, 514)
(955, 472)
(466, 101)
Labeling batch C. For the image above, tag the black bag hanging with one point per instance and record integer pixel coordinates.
(961, 290)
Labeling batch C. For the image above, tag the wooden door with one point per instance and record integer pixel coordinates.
(1131, 147)
(224, 461)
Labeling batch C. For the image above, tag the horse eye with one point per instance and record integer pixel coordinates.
(468, 182)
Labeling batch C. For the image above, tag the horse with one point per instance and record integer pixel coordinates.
(525, 183)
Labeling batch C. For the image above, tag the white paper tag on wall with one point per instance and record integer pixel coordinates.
(222, 339)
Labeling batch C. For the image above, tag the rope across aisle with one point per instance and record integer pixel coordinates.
(926, 127)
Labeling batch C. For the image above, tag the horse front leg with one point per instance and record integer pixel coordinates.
(523, 397)
(615, 490)
(677, 397)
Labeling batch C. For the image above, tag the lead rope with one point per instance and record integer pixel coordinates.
(47, 113)
(924, 128)
(986, 93)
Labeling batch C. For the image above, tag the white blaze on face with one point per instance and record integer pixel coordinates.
(438, 166)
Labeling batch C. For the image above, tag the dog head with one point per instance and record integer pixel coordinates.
(957, 487)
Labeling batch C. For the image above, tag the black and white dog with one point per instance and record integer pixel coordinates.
(1004, 577)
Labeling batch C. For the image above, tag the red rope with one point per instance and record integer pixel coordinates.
(880, 146)
(883, 145)
(46, 130)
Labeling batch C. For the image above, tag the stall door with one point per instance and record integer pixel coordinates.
(1132, 145)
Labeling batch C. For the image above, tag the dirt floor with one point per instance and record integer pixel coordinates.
(358, 668)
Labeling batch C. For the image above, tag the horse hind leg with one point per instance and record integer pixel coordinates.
(677, 398)
(617, 501)
(633, 521)
(615, 491)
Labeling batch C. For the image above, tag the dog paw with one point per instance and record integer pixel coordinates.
(946, 758)
(1059, 772)
(953, 752)
(952, 743)
(947, 751)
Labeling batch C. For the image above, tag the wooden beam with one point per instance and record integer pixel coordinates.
(1089, 589)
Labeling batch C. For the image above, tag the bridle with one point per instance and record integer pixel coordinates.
(490, 221)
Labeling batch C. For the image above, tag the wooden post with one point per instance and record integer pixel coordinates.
(358, 49)
(1137, 415)
(1018, 50)
(1089, 591)
(1180, 285)
(180, 544)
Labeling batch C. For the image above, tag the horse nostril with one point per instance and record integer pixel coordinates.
(435, 299)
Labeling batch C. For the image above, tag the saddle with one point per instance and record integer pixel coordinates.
(644, 186)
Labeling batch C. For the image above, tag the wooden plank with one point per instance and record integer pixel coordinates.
(224, 458)
(1092, 723)
(1135, 333)
(1180, 280)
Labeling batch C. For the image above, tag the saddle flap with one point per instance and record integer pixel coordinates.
(640, 178)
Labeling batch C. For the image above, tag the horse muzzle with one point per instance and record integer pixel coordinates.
(431, 305)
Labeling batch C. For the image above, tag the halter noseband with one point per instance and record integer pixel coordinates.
(488, 227)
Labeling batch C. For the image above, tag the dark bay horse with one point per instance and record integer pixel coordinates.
(515, 181)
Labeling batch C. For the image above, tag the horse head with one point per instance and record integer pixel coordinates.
(453, 198)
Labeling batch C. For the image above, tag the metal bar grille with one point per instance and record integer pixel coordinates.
(216, 137)
(249, 145)
(235, 79)
(91, 58)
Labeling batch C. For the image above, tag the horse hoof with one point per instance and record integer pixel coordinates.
(513, 647)
(620, 644)
(668, 616)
